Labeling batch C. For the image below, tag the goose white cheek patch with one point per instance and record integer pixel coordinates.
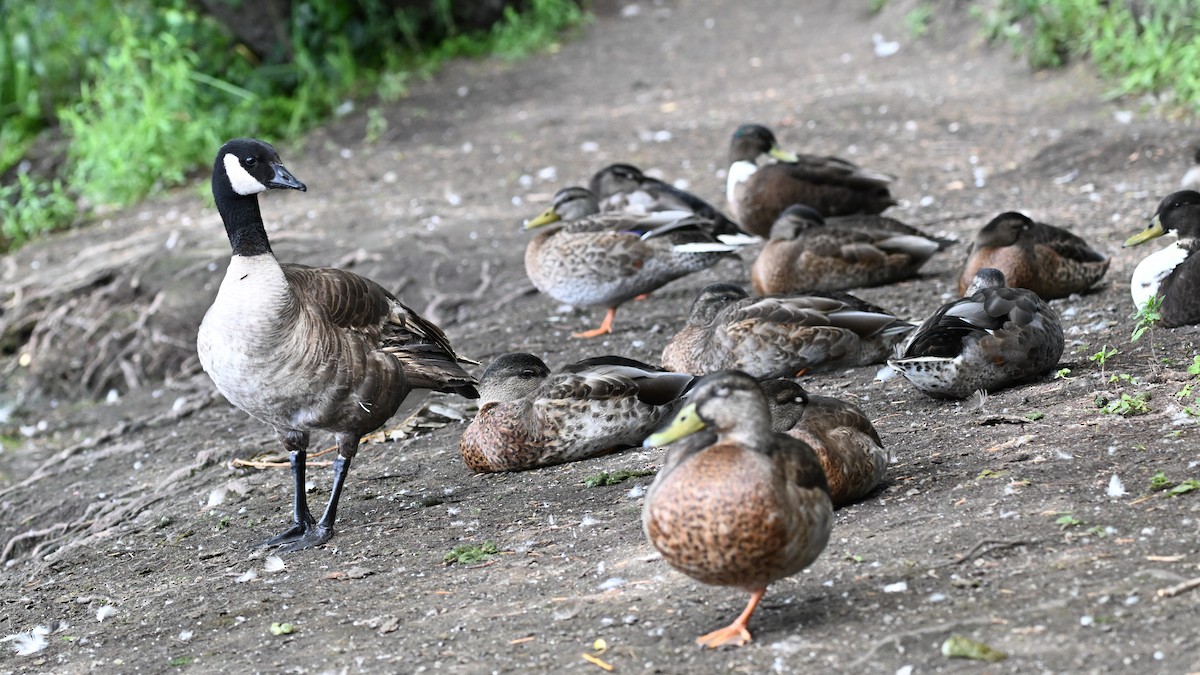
(243, 183)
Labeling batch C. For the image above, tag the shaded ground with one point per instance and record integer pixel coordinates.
(134, 504)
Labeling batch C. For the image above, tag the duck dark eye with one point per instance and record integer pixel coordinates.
(249, 161)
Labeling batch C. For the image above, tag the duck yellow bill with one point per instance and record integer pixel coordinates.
(686, 423)
(544, 218)
(782, 155)
(1155, 230)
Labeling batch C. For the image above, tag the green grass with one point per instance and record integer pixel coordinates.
(1151, 50)
(470, 554)
(146, 90)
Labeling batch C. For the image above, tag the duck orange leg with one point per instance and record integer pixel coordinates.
(735, 633)
(604, 329)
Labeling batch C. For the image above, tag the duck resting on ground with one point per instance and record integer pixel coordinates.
(846, 443)
(806, 252)
(309, 349)
(1172, 274)
(780, 336)
(529, 417)
(607, 259)
(993, 338)
(740, 505)
(1045, 259)
(831, 185)
(623, 187)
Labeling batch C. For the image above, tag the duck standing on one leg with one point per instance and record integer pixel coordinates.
(309, 349)
(739, 505)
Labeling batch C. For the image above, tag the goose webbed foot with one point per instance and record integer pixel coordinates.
(294, 533)
(299, 538)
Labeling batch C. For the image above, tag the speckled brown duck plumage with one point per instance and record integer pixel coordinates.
(846, 443)
(1045, 259)
(831, 185)
(309, 349)
(781, 335)
(607, 259)
(529, 417)
(1172, 273)
(993, 338)
(624, 188)
(739, 505)
(807, 253)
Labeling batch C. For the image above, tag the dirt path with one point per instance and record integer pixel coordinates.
(134, 505)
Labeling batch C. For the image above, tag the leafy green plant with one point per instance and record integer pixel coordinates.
(1066, 521)
(1062, 373)
(1142, 47)
(30, 207)
(147, 89)
(1147, 316)
(470, 554)
(1101, 357)
(918, 20)
(1126, 405)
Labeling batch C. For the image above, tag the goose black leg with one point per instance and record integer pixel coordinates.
(296, 443)
(321, 531)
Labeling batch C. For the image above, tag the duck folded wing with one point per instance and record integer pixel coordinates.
(813, 310)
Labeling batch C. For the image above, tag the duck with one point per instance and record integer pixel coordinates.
(606, 259)
(806, 252)
(530, 417)
(831, 185)
(738, 505)
(624, 187)
(307, 349)
(778, 336)
(994, 337)
(1045, 259)
(849, 449)
(1171, 274)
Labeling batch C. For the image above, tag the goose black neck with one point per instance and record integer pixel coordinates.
(243, 219)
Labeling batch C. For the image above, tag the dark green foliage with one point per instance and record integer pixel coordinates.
(146, 89)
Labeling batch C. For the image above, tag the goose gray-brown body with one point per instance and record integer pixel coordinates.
(309, 349)
(993, 338)
(529, 417)
(606, 259)
(831, 185)
(806, 252)
(735, 503)
(1045, 259)
(781, 335)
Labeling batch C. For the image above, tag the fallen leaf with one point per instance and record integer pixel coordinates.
(595, 661)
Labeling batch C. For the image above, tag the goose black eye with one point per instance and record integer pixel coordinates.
(249, 161)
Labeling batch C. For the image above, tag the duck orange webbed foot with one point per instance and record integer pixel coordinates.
(604, 329)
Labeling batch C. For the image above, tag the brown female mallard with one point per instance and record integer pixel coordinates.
(993, 338)
(1045, 259)
(740, 506)
(807, 253)
(846, 443)
(606, 259)
(781, 335)
(529, 417)
(831, 185)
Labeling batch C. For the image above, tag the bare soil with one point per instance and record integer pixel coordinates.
(133, 503)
